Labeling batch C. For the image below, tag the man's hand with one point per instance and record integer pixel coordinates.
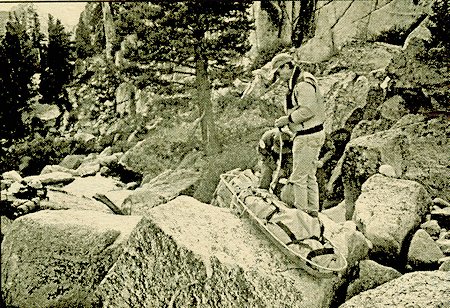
(282, 121)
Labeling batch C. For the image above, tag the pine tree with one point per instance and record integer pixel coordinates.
(17, 62)
(194, 37)
(83, 44)
(58, 69)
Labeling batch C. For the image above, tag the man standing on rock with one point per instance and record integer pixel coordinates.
(305, 114)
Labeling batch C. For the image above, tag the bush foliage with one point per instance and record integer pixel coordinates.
(440, 18)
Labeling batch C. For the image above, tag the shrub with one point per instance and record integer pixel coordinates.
(440, 18)
(39, 151)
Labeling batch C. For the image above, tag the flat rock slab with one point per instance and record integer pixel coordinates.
(58, 258)
(91, 185)
(52, 178)
(161, 189)
(61, 200)
(186, 253)
(416, 289)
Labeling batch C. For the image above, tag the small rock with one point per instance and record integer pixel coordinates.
(107, 160)
(88, 169)
(393, 109)
(72, 161)
(441, 202)
(444, 234)
(35, 183)
(12, 175)
(88, 139)
(132, 185)
(445, 264)
(432, 227)
(105, 171)
(444, 245)
(27, 207)
(423, 251)
(91, 156)
(387, 170)
(106, 152)
(15, 188)
(51, 178)
(5, 184)
(55, 168)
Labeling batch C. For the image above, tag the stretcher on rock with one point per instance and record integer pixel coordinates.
(298, 235)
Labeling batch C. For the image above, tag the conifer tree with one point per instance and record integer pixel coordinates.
(83, 45)
(57, 68)
(17, 63)
(193, 37)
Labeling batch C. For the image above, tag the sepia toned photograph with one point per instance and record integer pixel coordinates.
(219, 153)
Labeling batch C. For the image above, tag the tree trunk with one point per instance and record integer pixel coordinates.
(110, 32)
(285, 33)
(209, 135)
(305, 26)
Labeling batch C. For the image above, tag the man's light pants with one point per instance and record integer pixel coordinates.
(306, 150)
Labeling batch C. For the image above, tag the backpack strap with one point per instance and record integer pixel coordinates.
(297, 77)
(309, 78)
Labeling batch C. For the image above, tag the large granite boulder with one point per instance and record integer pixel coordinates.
(341, 22)
(58, 258)
(186, 253)
(416, 289)
(417, 151)
(387, 211)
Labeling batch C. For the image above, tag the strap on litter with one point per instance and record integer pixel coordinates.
(276, 210)
(319, 252)
(286, 230)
